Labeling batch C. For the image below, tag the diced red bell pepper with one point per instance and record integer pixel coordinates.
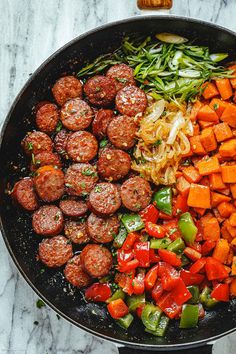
(117, 308)
(190, 278)
(139, 310)
(196, 246)
(169, 257)
(141, 251)
(215, 270)
(128, 266)
(98, 292)
(180, 293)
(201, 311)
(164, 216)
(198, 266)
(157, 291)
(138, 284)
(221, 292)
(192, 254)
(153, 256)
(124, 256)
(150, 213)
(154, 230)
(180, 205)
(168, 305)
(172, 229)
(207, 247)
(151, 277)
(125, 280)
(131, 238)
(199, 236)
(169, 276)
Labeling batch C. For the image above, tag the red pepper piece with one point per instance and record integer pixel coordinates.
(207, 247)
(169, 257)
(124, 256)
(199, 236)
(128, 266)
(198, 265)
(98, 292)
(215, 270)
(171, 228)
(221, 292)
(180, 293)
(196, 246)
(131, 238)
(150, 213)
(139, 310)
(157, 291)
(117, 308)
(168, 305)
(125, 280)
(154, 258)
(192, 254)
(180, 205)
(151, 277)
(138, 284)
(201, 311)
(169, 276)
(154, 230)
(141, 251)
(190, 278)
(164, 216)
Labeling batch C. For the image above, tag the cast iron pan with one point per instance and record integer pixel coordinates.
(22, 243)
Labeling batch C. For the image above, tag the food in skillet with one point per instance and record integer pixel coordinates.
(133, 182)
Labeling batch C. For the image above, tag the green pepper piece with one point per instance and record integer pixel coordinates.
(187, 228)
(120, 237)
(118, 294)
(194, 290)
(177, 246)
(157, 243)
(163, 200)
(185, 260)
(125, 321)
(205, 298)
(132, 222)
(150, 317)
(189, 316)
(135, 301)
(161, 328)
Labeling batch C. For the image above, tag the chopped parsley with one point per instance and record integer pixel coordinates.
(40, 304)
(103, 142)
(97, 189)
(157, 143)
(215, 106)
(122, 80)
(89, 172)
(59, 126)
(30, 146)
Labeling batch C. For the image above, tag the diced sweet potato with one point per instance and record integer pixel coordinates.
(207, 167)
(199, 196)
(222, 132)
(208, 139)
(228, 174)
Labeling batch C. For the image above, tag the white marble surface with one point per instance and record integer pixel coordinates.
(31, 30)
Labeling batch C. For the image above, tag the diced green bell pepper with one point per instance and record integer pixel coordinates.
(135, 301)
(125, 321)
(161, 328)
(206, 300)
(187, 228)
(120, 237)
(118, 294)
(157, 243)
(163, 200)
(177, 246)
(189, 316)
(150, 317)
(132, 222)
(194, 290)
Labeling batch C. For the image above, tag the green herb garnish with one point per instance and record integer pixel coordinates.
(40, 304)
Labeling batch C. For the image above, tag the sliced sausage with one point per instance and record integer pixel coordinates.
(101, 121)
(48, 220)
(136, 193)
(102, 230)
(73, 208)
(75, 274)
(100, 90)
(24, 194)
(76, 114)
(36, 142)
(49, 183)
(76, 232)
(104, 199)
(55, 251)
(113, 164)
(122, 131)
(82, 146)
(60, 142)
(66, 88)
(122, 75)
(80, 178)
(131, 101)
(96, 260)
(45, 158)
(47, 117)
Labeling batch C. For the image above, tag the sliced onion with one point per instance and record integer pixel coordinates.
(171, 38)
(177, 125)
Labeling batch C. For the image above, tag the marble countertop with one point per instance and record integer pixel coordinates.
(31, 30)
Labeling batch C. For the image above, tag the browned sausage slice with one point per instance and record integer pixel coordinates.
(47, 117)
(104, 199)
(66, 88)
(80, 179)
(48, 220)
(122, 75)
(76, 232)
(49, 183)
(100, 90)
(113, 164)
(55, 251)
(96, 260)
(45, 158)
(82, 146)
(36, 142)
(23, 192)
(102, 230)
(75, 274)
(131, 101)
(76, 114)
(73, 208)
(136, 193)
(101, 121)
(122, 131)
(60, 142)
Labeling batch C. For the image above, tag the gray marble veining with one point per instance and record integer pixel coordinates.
(31, 30)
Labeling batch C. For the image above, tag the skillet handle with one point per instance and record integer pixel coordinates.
(206, 349)
(154, 4)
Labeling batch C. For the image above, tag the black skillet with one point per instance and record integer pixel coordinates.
(16, 225)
